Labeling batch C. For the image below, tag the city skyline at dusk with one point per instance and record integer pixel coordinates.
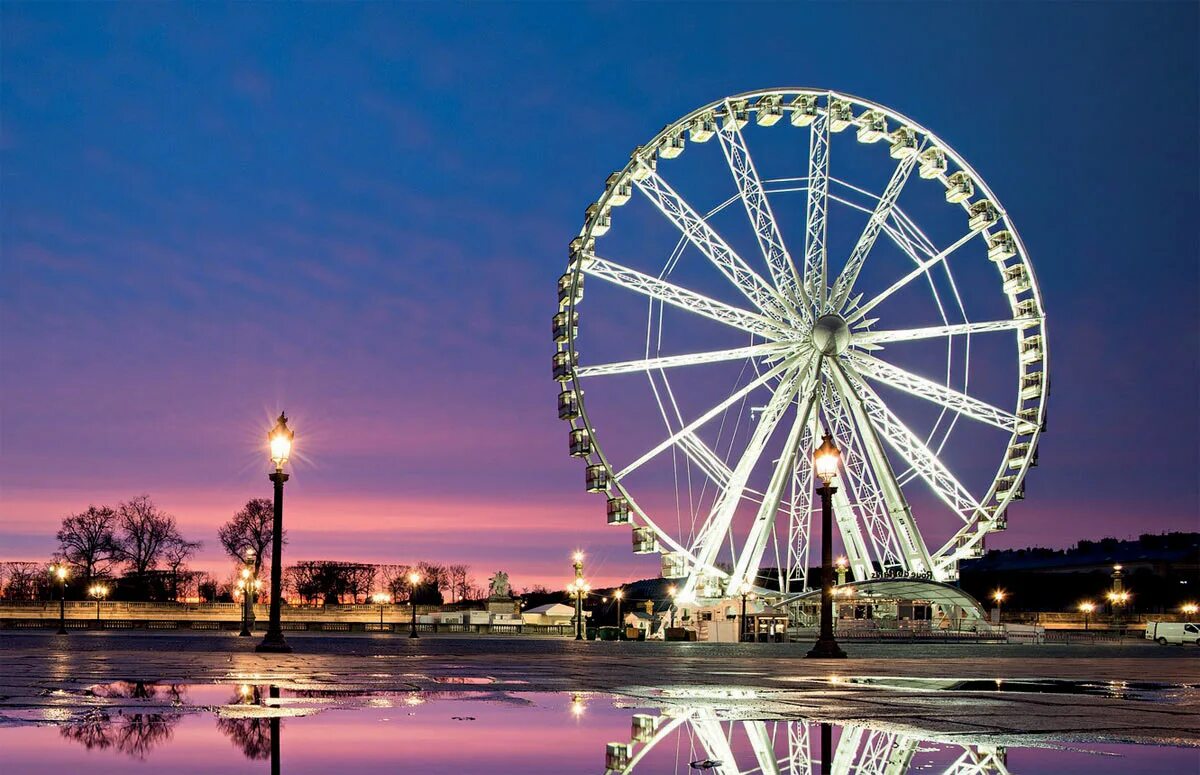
(238, 211)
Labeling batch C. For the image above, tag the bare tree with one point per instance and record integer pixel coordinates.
(176, 553)
(359, 578)
(458, 581)
(394, 579)
(88, 541)
(250, 528)
(24, 581)
(145, 533)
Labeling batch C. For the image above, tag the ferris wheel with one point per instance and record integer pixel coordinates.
(744, 305)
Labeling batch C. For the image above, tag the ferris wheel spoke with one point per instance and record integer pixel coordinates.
(756, 540)
(856, 472)
(672, 361)
(699, 233)
(922, 268)
(800, 509)
(914, 451)
(677, 296)
(712, 535)
(867, 416)
(758, 208)
(883, 208)
(691, 427)
(929, 390)
(935, 332)
(814, 221)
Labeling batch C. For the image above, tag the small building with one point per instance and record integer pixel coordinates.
(553, 614)
(642, 623)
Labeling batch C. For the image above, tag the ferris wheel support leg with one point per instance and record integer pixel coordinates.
(756, 541)
(912, 547)
(764, 749)
(853, 543)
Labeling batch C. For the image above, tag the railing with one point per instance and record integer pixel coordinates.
(260, 624)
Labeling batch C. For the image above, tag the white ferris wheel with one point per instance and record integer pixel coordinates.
(742, 305)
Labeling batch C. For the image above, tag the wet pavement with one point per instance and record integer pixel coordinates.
(929, 695)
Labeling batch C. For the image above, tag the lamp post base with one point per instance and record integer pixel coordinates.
(273, 646)
(826, 648)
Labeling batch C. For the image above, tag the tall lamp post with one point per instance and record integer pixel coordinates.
(1086, 608)
(99, 592)
(381, 598)
(413, 580)
(577, 564)
(281, 439)
(60, 572)
(672, 592)
(998, 596)
(825, 464)
(619, 595)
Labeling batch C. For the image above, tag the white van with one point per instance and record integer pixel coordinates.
(1173, 632)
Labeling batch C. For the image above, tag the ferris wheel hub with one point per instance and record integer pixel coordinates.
(831, 335)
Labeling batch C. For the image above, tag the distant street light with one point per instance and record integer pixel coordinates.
(280, 438)
(99, 592)
(842, 566)
(413, 580)
(999, 596)
(825, 465)
(671, 592)
(618, 595)
(60, 572)
(1189, 608)
(381, 598)
(1086, 607)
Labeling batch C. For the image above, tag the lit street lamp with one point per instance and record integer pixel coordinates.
(1086, 608)
(413, 580)
(60, 572)
(98, 591)
(841, 566)
(280, 438)
(825, 465)
(1189, 608)
(578, 586)
(747, 592)
(381, 598)
(998, 596)
(619, 595)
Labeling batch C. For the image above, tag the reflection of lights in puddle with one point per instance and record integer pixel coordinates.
(464, 679)
(577, 705)
(414, 700)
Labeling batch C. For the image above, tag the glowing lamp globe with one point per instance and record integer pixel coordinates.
(280, 438)
(826, 460)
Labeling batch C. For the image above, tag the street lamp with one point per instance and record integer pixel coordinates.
(244, 584)
(672, 592)
(825, 465)
(998, 595)
(618, 595)
(381, 598)
(577, 586)
(1086, 608)
(1189, 608)
(60, 572)
(413, 580)
(280, 438)
(98, 591)
(747, 592)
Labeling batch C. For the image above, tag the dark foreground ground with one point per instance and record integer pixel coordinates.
(1136, 692)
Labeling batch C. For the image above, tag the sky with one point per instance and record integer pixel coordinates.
(358, 212)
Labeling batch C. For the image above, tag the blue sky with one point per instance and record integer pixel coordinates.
(358, 212)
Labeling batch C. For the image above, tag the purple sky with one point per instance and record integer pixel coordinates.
(358, 213)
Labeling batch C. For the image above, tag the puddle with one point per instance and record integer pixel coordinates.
(1146, 691)
(204, 728)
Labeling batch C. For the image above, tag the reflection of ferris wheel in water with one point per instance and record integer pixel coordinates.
(703, 740)
(810, 347)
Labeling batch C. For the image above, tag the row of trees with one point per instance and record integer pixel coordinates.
(139, 548)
